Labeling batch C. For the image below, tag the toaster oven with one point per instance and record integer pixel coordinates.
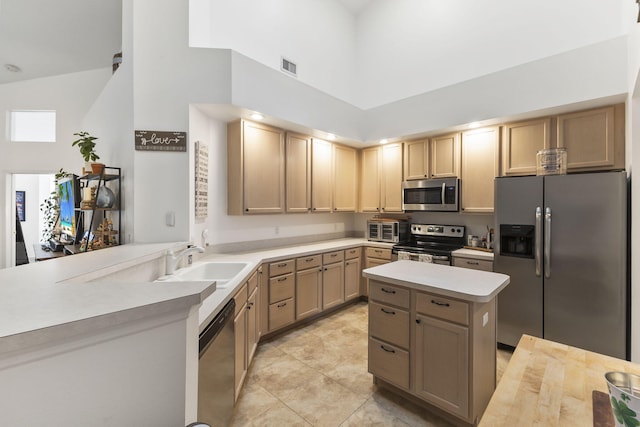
(387, 230)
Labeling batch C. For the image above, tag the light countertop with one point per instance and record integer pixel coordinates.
(462, 283)
(550, 384)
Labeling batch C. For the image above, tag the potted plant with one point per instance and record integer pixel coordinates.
(87, 146)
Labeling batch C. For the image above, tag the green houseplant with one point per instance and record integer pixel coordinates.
(87, 144)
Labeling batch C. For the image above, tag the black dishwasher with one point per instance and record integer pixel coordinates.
(216, 369)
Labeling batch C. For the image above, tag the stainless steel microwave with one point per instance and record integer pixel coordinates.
(433, 195)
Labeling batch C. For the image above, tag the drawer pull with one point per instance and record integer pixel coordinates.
(386, 291)
(378, 251)
(333, 255)
(473, 263)
(282, 279)
(388, 312)
(386, 349)
(308, 260)
(284, 264)
(441, 304)
(282, 305)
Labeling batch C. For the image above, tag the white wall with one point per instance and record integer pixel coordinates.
(318, 35)
(70, 95)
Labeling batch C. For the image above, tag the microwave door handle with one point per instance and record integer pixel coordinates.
(547, 243)
(538, 242)
(442, 194)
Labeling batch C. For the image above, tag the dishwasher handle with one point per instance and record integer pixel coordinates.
(217, 324)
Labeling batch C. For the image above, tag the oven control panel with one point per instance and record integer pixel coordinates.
(437, 230)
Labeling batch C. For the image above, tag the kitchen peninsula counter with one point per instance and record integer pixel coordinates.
(550, 384)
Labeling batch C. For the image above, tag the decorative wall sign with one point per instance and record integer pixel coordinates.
(154, 140)
(20, 205)
(201, 163)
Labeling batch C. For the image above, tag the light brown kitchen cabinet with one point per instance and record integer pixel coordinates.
(240, 335)
(391, 178)
(473, 263)
(253, 316)
(480, 149)
(437, 157)
(321, 175)
(345, 178)
(298, 173)
(370, 180)
(308, 286)
(281, 294)
(521, 142)
(594, 139)
(352, 273)
(374, 256)
(332, 279)
(255, 168)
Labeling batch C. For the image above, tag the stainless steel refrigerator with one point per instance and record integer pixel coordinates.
(563, 241)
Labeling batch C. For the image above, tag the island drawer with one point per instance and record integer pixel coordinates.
(389, 324)
(281, 314)
(443, 308)
(389, 363)
(381, 253)
(331, 257)
(476, 264)
(352, 253)
(281, 267)
(281, 288)
(310, 261)
(390, 294)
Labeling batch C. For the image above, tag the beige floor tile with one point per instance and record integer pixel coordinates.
(323, 402)
(353, 374)
(282, 376)
(408, 412)
(372, 414)
(278, 416)
(253, 402)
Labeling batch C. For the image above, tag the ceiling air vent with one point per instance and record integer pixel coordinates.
(289, 67)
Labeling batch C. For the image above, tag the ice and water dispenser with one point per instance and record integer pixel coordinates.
(517, 240)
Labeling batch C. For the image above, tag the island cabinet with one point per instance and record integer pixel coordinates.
(429, 345)
(255, 168)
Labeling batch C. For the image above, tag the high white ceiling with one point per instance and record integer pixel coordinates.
(51, 37)
(47, 37)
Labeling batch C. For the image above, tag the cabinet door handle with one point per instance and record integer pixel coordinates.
(308, 259)
(282, 279)
(441, 304)
(334, 255)
(386, 349)
(388, 312)
(282, 305)
(418, 321)
(386, 291)
(284, 264)
(473, 263)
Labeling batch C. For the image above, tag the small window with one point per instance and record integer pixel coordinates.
(33, 126)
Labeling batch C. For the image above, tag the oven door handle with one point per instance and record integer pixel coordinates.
(440, 257)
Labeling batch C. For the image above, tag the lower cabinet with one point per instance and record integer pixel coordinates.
(240, 330)
(473, 263)
(308, 292)
(374, 256)
(352, 275)
(439, 349)
(332, 279)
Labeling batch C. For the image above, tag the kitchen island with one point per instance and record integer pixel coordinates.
(551, 384)
(432, 335)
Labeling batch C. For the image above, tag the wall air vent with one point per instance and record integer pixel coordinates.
(288, 67)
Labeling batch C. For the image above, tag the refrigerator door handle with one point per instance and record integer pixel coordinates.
(547, 243)
(538, 242)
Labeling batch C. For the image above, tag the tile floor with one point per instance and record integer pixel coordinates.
(316, 375)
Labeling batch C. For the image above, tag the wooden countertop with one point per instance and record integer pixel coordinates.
(550, 384)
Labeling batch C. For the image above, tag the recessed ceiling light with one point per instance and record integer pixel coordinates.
(384, 141)
(12, 68)
(257, 116)
(331, 136)
(474, 125)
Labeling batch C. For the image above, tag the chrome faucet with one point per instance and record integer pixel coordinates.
(171, 259)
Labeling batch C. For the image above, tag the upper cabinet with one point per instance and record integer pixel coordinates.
(255, 169)
(345, 178)
(520, 144)
(298, 172)
(480, 150)
(594, 139)
(321, 175)
(437, 157)
(381, 179)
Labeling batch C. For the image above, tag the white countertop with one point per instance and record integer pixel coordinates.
(462, 283)
(472, 253)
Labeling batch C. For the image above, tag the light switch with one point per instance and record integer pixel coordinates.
(171, 219)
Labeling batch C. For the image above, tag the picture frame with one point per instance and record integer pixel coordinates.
(20, 205)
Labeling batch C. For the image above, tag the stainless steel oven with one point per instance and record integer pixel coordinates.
(434, 195)
(430, 243)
